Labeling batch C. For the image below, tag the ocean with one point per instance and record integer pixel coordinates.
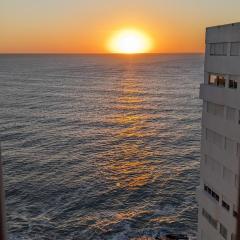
(100, 146)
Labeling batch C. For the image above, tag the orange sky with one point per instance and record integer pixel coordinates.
(77, 26)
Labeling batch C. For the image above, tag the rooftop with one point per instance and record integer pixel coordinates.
(237, 24)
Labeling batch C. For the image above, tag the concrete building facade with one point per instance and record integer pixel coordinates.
(220, 142)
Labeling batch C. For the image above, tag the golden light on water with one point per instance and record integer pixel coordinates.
(130, 167)
(130, 41)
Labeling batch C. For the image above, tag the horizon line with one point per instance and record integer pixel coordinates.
(69, 53)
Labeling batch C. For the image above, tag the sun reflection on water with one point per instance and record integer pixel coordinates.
(129, 167)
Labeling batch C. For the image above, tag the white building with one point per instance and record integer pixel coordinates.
(220, 143)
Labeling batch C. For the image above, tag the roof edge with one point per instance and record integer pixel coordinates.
(224, 25)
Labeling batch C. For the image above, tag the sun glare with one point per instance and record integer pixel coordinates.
(130, 41)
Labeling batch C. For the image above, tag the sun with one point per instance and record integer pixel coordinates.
(130, 41)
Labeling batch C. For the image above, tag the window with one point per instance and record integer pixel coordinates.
(212, 166)
(232, 84)
(207, 189)
(231, 114)
(215, 109)
(209, 218)
(219, 110)
(212, 79)
(225, 205)
(235, 214)
(228, 175)
(223, 231)
(215, 138)
(238, 149)
(218, 49)
(235, 49)
(215, 79)
(229, 145)
(215, 196)
(211, 192)
(236, 179)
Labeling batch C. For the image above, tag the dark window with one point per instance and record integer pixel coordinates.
(218, 49)
(211, 192)
(217, 80)
(225, 205)
(209, 218)
(223, 231)
(215, 196)
(232, 84)
(235, 214)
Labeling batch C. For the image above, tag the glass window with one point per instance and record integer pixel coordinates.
(210, 108)
(212, 49)
(238, 149)
(235, 214)
(229, 145)
(215, 109)
(209, 218)
(232, 84)
(218, 49)
(215, 138)
(235, 49)
(217, 80)
(212, 79)
(215, 196)
(223, 231)
(231, 114)
(211, 192)
(228, 175)
(236, 180)
(225, 205)
(219, 110)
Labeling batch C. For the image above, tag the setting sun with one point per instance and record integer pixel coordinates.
(130, 41)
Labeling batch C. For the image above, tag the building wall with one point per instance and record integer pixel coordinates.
(220, 142)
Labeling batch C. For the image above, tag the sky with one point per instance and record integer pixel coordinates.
(85, 26)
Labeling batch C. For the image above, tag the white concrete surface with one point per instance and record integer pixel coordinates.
(220, 142)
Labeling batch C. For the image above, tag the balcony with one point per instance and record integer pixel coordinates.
(223, 64)
(220, 95)
(221, 126)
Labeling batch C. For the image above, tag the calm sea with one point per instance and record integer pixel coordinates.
(100, 146)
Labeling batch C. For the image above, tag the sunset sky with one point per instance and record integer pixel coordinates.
(81, 26)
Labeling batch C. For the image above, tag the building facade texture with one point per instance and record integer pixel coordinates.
(220, 141)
